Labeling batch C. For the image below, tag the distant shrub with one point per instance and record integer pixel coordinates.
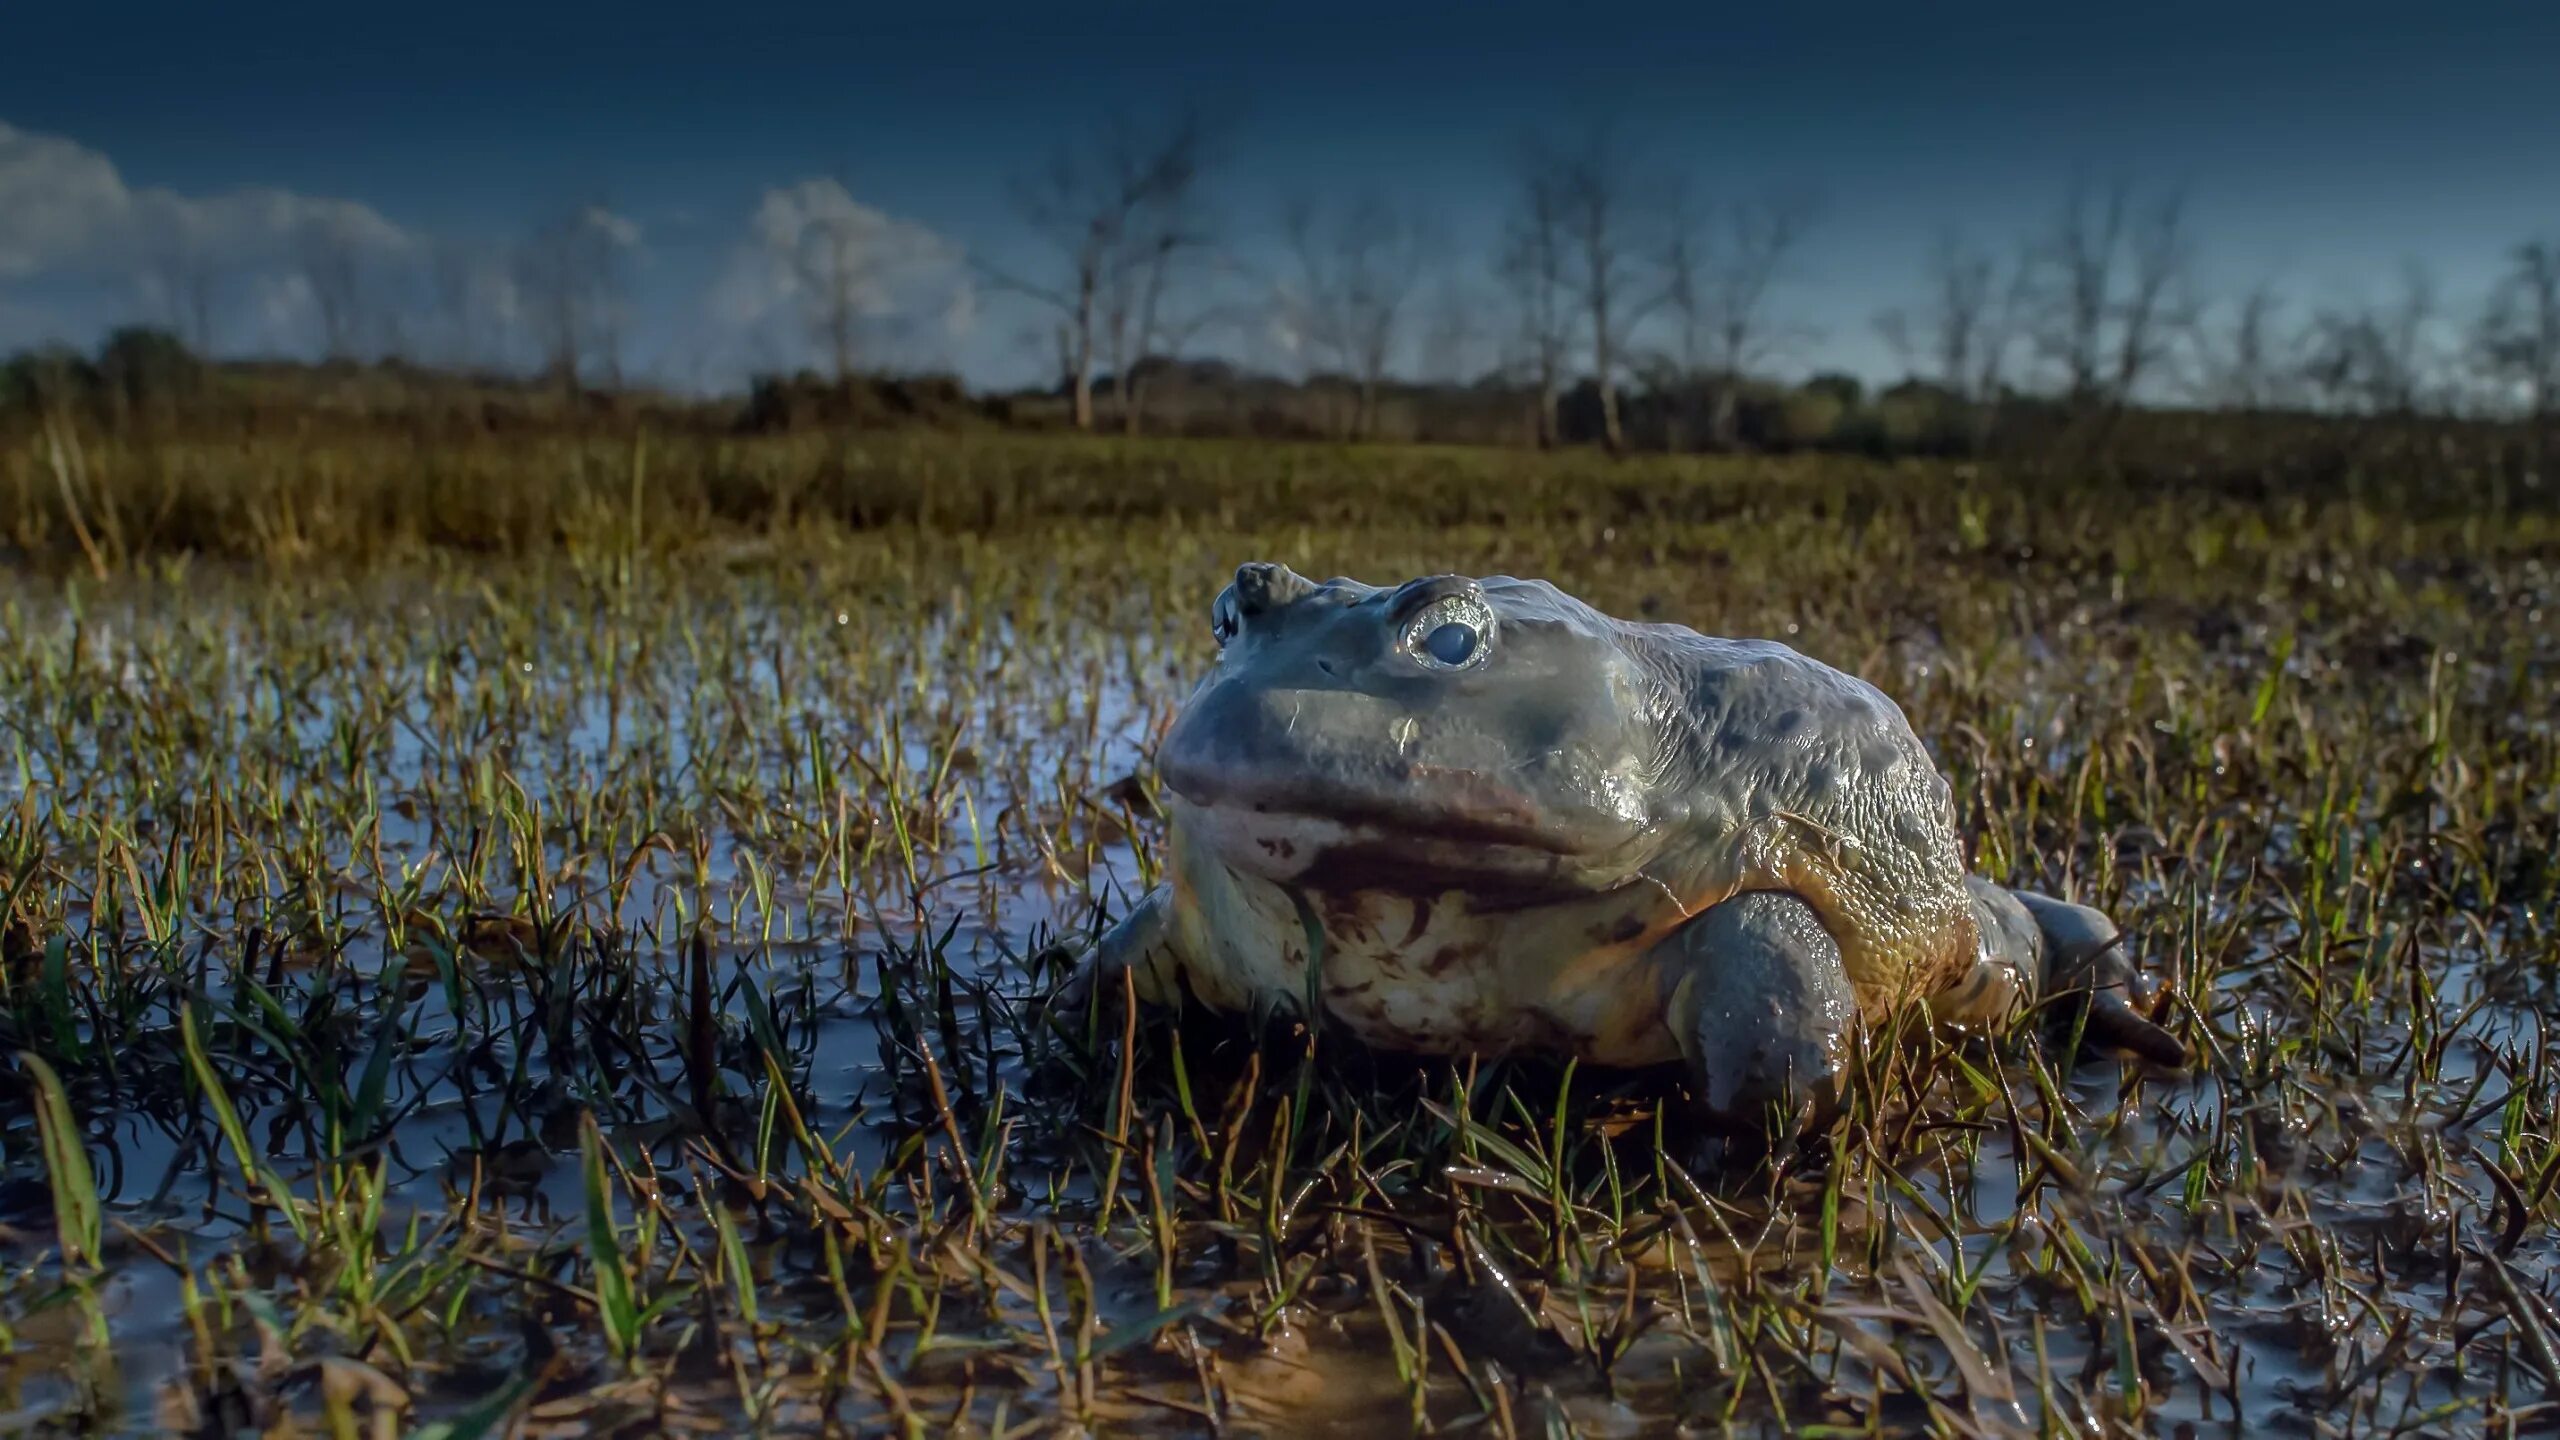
(46, 380)
(779, 404)
(1808, 419)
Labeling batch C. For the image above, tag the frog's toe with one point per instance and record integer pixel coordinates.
(2084, 954)
(1075, 992)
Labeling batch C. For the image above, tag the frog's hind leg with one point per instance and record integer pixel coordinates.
(1764, 1013)
(2034, 948)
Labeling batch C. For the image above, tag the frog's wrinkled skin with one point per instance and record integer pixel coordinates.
(1504, 821)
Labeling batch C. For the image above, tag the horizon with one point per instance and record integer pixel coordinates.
(2316, 159)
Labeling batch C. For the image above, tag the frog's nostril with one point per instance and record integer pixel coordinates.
(1253, 588)
(1263, 586)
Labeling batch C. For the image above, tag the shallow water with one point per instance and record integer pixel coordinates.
(494, 809)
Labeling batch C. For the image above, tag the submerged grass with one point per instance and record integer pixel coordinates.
(581, 980)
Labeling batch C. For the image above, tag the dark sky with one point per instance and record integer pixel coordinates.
(2320, 146)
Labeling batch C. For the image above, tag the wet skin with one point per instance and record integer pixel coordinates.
(1501, 820)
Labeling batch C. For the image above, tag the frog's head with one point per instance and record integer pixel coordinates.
(1492, 736)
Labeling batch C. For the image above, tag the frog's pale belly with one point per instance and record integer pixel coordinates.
(1433, 974)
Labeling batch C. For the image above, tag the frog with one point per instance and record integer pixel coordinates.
(1475, 816)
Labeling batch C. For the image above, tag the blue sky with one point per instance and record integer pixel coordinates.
(2319, 146)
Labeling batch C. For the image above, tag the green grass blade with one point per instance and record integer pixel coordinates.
(620, 1315)
(226, 1118)
(76, 1213)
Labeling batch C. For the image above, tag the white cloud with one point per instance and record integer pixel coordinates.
(620, 231)
(960, 311)
(255, 265)
(65, 208)
(808, 244)
(260, 268)
(54, 195)
(281, 310)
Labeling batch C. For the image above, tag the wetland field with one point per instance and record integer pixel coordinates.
(542, 938)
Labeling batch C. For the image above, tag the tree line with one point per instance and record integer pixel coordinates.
(1609, 303)
(1605, 280)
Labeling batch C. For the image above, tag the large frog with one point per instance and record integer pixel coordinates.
(1479, 816)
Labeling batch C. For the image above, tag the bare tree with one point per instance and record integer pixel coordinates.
(2518, 339)
(1532, 266)
(570, 271)
(1092, 208)
(550, 270)
(459, 278)
(1141, 316)
(1598, 220)
(838, 261)
(837, 267)
(1173, 333)
(1966, 334)
(1959, 339)
(2109, 293)
(334, 273)
(1353, 275)
(2153, 308)
(2380, 358)
(1132, 307)
(189, 282)
(1718, 272)
(1455, 335)
(2242, 367)
(2080, 257)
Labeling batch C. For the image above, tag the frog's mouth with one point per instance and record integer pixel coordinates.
(1469, 836)
(1284, 766)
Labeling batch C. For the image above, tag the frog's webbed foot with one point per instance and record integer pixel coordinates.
(1763, 1010)
(1139, 946)
(2037, 948)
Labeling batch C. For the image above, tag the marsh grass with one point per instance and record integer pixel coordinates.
(546, 941)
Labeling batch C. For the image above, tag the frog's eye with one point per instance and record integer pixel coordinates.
(1455, 633)
(1224, 620)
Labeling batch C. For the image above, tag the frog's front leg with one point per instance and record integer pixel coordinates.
(1142, 946)
(1763, 1011)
